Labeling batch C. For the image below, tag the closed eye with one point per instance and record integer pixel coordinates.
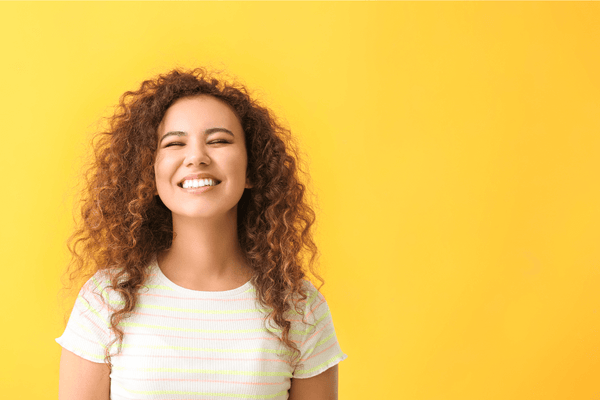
(174, 144)
(218, 141)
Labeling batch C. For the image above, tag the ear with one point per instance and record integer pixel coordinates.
(248, 184)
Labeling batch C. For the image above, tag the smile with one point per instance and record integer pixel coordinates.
(197, 183)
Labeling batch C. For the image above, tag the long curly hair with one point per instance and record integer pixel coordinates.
(123, 224)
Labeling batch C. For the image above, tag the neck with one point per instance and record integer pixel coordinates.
(205, 254)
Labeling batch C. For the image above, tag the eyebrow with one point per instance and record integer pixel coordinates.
(206, 132)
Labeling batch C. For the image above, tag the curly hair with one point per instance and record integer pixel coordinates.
(123, 224)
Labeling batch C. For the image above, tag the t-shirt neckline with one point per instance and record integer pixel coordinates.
(197, 293)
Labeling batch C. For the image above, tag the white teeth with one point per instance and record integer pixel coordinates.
(196, 183)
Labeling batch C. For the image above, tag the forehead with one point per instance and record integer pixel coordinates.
(199, 113)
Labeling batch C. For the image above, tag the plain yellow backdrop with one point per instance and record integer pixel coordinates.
(454, 149)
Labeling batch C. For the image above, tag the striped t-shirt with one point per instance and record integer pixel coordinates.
(187, 344)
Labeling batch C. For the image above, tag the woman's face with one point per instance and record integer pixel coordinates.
(200, 142)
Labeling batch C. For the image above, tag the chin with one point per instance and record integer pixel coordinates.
(204, 213)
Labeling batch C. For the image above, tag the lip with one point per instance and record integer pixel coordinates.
(200, 189)
(198, 176)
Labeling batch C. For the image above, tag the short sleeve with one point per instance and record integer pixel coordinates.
(88, 331)
(319, 346)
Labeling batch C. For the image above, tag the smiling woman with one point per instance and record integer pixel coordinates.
(195, 246)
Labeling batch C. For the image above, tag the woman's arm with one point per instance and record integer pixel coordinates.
(81, 379)
(321, 387)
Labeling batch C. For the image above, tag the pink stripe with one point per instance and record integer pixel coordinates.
(204, 380)
(315, 308)
(314, 355)
(198, 319)
(198, 338)
(192, 298)
(84, 314)
(102, 304)
(132, 398)
(203, 358)
(206, 319)
(319, 331)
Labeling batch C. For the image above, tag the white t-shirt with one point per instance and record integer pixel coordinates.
(187, 344)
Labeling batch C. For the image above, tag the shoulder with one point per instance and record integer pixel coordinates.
(309, 288)
(312, 293)
(309, 292)
(312, 303)
(98, 288)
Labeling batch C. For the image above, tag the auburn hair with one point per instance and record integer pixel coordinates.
(122, 223)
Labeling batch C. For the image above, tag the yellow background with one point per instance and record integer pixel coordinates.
(454, 149)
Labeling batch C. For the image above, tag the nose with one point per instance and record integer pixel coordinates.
(197, 155)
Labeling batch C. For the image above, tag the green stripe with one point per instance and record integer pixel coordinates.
(186, 348)
(107, 283)
(196, 311)
(208, 371)
(320, 342)
(163, 287)
(308, 303)
(88, 330)
(172, 328)
(310, 328)
(97, 284)
(238, 395)
(87, 305)
(307, 371)
(85, 328)
(199, 311)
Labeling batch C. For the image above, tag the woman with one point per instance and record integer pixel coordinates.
(196, 233)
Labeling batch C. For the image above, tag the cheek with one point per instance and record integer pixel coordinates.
(157, 171)
(161, 171)
(240, 168)
(242, 160)
(233, 164)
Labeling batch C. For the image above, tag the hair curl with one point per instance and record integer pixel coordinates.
(123, 224)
